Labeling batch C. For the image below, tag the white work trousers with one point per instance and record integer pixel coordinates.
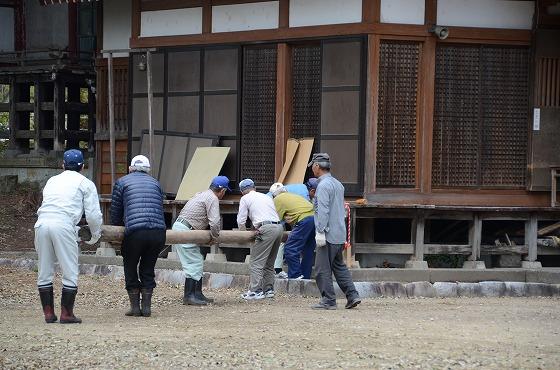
(57, 241)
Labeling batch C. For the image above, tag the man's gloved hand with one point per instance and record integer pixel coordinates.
(320, 239)
(94, 239)
(83, 232)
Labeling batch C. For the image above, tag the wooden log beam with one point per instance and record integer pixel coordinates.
(115, 234)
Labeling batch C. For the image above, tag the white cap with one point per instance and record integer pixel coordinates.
(276, 188)
(140, 161)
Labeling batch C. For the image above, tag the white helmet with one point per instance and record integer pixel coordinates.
(276, 188)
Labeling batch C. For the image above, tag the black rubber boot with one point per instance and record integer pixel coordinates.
(47, 301)
(189, 296)
(147, 302)
(67, 307)
(199, 295)
(134, 297)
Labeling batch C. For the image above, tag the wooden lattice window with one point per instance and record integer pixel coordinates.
(396, 120)
(258, 122)
(481, 115)
(306, 92)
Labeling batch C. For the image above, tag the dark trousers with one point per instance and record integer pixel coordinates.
(300, 244)
(328, 261)
(140, 250)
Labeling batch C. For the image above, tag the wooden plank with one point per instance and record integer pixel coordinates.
(531, 235)
(381, 248)
(447, 249)
(135, 20)
(4, 107)
(37, 116)
(207, 17)
(504, 249)
(25, 107)
(430, 12)
(549, 229)
(371, 11)
(77, 107)
(59, 115)
(171, 4)
(111, 108)
(47, 106)
(296, 172)
(291, 149)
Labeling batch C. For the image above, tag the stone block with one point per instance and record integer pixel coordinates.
(393, 289)
(310, 289)
(543, 276)
(295, 287)
(382, 274)
(509, 260)
(215, 257)
(492, 288)
(539, 290)
(474, 265)
(420, 289)
(240, 281)
(173, 277)
(281, 285)
(445, 289)
(102, 270)
(515, 289)
(556, 290)
(531, 265)
(369, 290)
(86, 269)
(117, 272)
(105, 252)
(218, 281)
(468, 290)
(475, 276)
(418, 265)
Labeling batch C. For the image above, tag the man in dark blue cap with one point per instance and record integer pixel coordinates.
(65, 199)
(200, 212)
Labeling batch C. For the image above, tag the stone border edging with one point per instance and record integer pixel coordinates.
(308, 288)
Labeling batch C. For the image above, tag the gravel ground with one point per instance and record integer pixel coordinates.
(282, 332)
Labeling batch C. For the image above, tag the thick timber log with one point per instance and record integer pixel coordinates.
(115, 234)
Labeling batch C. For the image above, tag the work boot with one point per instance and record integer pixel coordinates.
(134, 297)
(147, 302)
(190, 296)
(67, 307)
(198, 293)
(47, 301)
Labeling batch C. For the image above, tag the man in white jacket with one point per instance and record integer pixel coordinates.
(65, 198)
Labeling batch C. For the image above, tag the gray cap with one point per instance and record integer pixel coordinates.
(322, 159)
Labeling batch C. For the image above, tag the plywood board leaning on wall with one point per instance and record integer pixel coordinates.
(296, 172)
(205, 164)
(291, 149)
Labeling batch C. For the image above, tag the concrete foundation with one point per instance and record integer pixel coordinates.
(531, 265)
(215, 257)
(474, 265)
(418, 265)
(105, 251)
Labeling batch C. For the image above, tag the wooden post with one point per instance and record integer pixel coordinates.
(111, 117)
(37, 114)
(59, 113)
(531, 231)
(150, 104)
(283, 105)
(417, 231)
(475, 238)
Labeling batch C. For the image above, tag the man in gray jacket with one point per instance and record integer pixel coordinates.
(330, 236)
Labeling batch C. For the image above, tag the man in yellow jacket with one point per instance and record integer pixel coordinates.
(298, 212)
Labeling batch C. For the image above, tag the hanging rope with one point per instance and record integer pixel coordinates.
(347, 243)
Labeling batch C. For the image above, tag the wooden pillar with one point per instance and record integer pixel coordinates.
(111, 107)
(427, 93)
(283, 104)
(417, 231)
(475, 239)
(13, 96)
(371, 113)
(531, 230)
(37, 121)
(150, 104)
(59, 114)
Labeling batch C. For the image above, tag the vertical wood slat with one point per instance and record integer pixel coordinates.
(428, 93)
(207, 17)
(547, 87)
(531, 235)
(475, 237)
(430, 12)
(37, 113)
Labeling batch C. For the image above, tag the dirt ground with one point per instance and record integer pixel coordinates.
(17, 217)
(276, 333)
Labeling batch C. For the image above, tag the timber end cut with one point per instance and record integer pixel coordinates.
(115, 234)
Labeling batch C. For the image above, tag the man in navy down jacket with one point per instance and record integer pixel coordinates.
(137, 203)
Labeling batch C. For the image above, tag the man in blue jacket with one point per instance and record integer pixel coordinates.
(137, 203)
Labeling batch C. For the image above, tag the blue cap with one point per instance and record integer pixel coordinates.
(220, 182)
(312, 183)
(246, 184)
(73, 159)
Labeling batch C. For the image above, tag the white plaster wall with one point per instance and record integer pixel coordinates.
(317, 12)
(244, 17)
(6, 29)
(117, 25)
(186, 21)
(486, 13)
(402, 11)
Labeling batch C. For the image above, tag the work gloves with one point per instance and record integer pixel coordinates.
(94, 239)
(320, 239)
(85, 235)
